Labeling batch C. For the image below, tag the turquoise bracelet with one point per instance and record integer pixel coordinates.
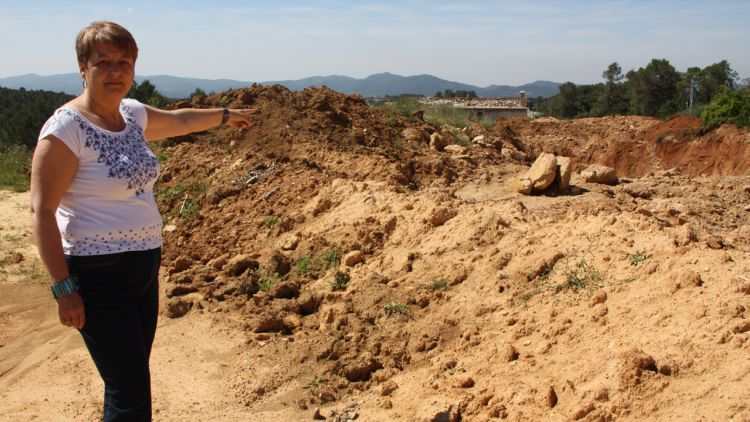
(65, 287)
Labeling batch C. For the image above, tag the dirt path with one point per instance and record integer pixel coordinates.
(46, 373)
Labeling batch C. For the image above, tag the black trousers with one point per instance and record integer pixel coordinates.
(120, 293)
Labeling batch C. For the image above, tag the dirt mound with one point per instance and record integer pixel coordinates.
(636, 146)
(375, 275)
(364, 275)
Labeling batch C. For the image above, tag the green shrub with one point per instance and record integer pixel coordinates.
(15, 167)
(728, 106)
(340, 281)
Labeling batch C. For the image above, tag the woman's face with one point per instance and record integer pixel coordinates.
(108, 72)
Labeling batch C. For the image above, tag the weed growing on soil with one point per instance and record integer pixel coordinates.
(266, 279)
(14, 239)
(638, 256)
(398, 143)
(315, 381)
(438, 284)
(270, 221)
(394, 308)
(331, 258)
(340, 281)
(303, 266)
(581, 275)
(460, 138)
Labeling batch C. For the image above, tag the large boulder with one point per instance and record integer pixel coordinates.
(597, 173)
(542, 172)
(563, 173)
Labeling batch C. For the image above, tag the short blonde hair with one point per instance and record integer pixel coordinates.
(103, 31)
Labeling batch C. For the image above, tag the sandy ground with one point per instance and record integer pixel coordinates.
(46, 373)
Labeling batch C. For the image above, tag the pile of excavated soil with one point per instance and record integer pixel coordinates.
(371, 276)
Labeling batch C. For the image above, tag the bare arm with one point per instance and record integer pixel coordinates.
(52, 170)
(167, 123)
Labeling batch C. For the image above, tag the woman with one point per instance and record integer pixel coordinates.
(96, 223)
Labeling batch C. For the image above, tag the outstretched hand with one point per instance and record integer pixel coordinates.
(240, 117)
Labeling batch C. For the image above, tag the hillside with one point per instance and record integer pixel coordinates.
(378, 85)
(338, 267)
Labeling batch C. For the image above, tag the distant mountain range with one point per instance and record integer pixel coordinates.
(377, 85)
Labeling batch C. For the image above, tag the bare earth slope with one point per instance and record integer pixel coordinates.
(456, 298)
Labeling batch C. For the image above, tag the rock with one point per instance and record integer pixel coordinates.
(169, 228)
(478, 140)
(317, 416)
(181, 290)
(353, 258)
(599, 297)
(217, 263)
(523, 185)
(438, 141)
(456, 149)
(583, 411)
(542, 172)
(181, 264)
(284, 290)
(440, 413)
(690, 278)
(277, 263)
(597, 173)
(551, 397)
(290, 243)
(509, 353)
(742, 327)
(388, 388)
(239, 263)
(361, 369)
(466, 382)
(414, 135)
(178, 307)
(715, 242)
(441, 215)
(746, 188)
(16, 258)
(563, 173)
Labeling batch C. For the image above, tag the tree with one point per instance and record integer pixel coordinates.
(713, 78)
(612, 96)
(146, 93)
(566, 106)
(652, 90)
(198, 92)
(729, 106)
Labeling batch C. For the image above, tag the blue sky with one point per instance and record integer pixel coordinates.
(476, 42)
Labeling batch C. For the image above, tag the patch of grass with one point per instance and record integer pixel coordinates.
(437, 284)
(304, 265)
(394, 308)
(270, 221)
(582, 275)
(38, 273)
(266, 279)
(340, 281)
(193, 186)
(189, 210)
(15, 167)
(13, 239)
(404, 107)
(638, 256)
(461, 138)
(446, 114)
(331, 258)
(487, 123)
(398, 143)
